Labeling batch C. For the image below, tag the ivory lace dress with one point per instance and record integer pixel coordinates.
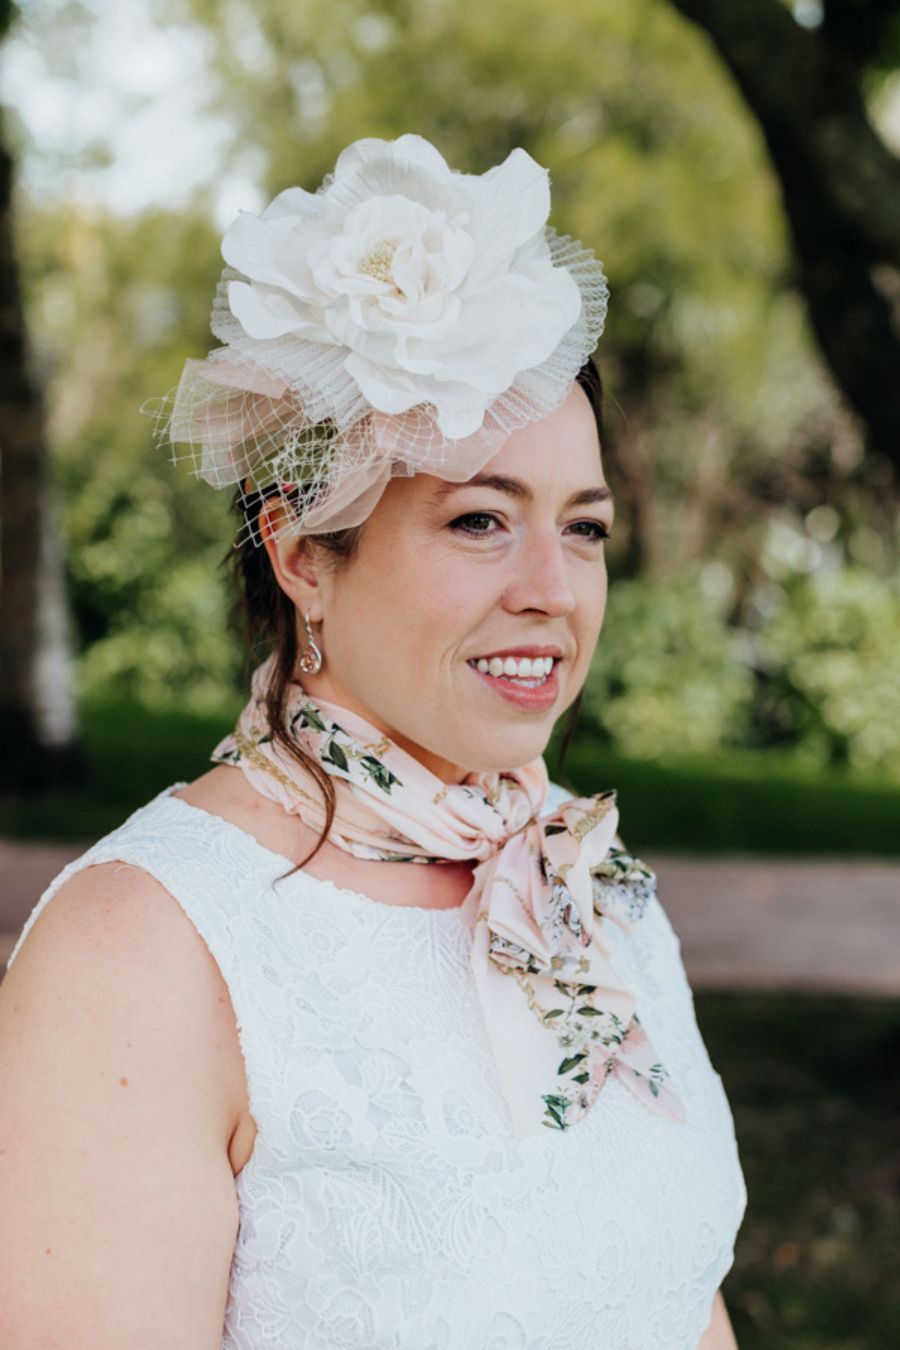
(386, 1205)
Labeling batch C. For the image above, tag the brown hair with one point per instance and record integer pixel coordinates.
(268, 618)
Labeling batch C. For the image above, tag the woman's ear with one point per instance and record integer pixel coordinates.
(293, 561)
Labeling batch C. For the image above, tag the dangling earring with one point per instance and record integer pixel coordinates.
(311, 656)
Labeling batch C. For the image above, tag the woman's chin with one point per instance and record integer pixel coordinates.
(476, 743)
(493, 754)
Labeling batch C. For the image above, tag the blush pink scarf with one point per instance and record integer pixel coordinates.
(545, 889)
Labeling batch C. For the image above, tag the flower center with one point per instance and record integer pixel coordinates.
(378, 262)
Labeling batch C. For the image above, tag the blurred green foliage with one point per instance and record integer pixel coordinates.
(145, 540)
(725, 437)
(817, 671)
(829, 655)
(667, 677)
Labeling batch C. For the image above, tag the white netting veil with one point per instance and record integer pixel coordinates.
(404, 319)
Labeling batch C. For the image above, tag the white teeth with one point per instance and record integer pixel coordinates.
(516, 668)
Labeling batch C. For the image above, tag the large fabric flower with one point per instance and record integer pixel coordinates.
(440, 285)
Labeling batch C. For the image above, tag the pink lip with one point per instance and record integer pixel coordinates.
(538, 699)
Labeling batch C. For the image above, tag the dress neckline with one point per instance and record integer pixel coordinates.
(284, 863)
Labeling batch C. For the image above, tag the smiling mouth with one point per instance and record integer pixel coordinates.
(524, 671)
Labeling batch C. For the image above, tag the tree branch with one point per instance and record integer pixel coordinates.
(840, 186)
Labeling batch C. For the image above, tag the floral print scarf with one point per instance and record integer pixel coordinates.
(545, 890)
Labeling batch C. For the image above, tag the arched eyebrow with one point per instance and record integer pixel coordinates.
(514, 487)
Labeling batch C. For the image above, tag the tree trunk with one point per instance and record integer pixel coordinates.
(839, 182)
(39, 741)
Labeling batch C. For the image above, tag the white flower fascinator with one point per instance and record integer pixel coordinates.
(404, 318)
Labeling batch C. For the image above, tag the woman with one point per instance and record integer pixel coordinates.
(265, 1083)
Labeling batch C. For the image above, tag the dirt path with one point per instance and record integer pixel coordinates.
(744, 923)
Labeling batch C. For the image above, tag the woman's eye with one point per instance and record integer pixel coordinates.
(476, 522)
(592, 529)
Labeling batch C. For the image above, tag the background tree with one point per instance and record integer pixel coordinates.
(840, 183)
(38, 729)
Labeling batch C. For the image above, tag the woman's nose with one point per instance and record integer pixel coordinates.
(540, 579)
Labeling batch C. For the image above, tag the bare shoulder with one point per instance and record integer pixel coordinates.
(113, 955)
(122, 1089)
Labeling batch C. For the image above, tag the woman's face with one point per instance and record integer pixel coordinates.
(442, 628)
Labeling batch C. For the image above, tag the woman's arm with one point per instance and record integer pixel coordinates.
(118, 1098)
(718, 1335)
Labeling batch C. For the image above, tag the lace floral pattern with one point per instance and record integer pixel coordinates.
(386, 1203)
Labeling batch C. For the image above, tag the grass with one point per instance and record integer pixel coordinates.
(757, 802)
(815, 1092)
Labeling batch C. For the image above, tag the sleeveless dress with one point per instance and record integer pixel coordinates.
(386, 1205)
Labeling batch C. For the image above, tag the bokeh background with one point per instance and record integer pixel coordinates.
(737, 169)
